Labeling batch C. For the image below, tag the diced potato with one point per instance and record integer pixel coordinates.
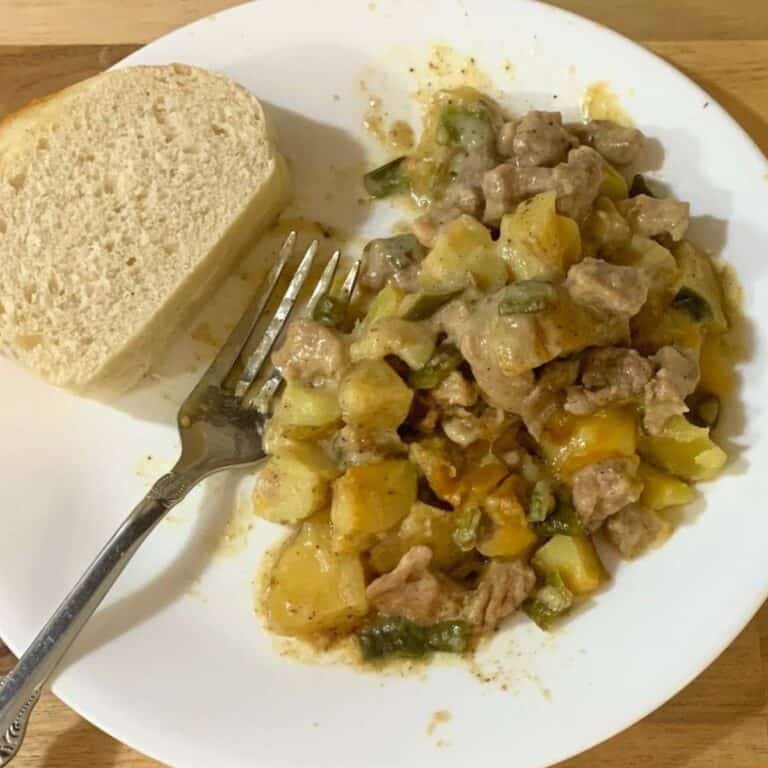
(432, 457)
(572, 442)
(509, 534)
(304, 413)
(412, 342)
(477, 481)
(655, 260)
(656, 327)
(614, 185)
(683, 450)
(293, 484)
(575, 559)
(424, 525)
(372, 395)
(661, 490)
(463, 254)
(698, 274)
(313, 589)
(385, 303)
(369, 499)
(538, 243)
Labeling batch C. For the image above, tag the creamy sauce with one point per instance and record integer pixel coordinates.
(202, 333)
(599, 102)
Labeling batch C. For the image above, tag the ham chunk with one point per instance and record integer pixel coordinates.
(500, 592)
(604, 488)
(608, 287)
(539, 139)
(576, 182)
(618, 144)
(311, 354)
(609, 375)
(412, 591)
(664, 396)
(633, 530)
(650, 217)
(548, 395)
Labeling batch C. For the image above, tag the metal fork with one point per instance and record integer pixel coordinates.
(220, 428)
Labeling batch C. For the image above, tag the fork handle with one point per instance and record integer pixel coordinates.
(20, 689)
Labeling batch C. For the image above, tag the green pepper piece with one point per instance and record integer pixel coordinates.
(565, 519)
(471, 129)
(704, 409)
(693, 303)
(639, 187)
(549, 602)
(450, 636)
(467, 523)
(526, 297)
(542, 502)
(446, 359)
(397, 636)
(329, 311)
(392, 636)
(420, 306)
(388, 179)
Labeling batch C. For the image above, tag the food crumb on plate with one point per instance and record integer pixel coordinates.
(439, 717)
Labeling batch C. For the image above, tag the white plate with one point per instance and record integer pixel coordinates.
(175, 664)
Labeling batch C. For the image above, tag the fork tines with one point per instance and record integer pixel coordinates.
(238, 340)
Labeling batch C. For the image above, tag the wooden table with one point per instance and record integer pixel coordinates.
(720, 720)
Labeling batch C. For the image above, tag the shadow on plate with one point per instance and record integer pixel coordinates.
(213, 513)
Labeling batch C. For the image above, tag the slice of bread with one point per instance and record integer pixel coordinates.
(124, 200)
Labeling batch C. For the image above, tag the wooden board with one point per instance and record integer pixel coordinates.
(721, 719)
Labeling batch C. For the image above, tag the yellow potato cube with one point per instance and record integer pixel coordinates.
(575, 559)
(424, 525)
(313, 589)
(463, 254)
(369, 499)
(570, 443)
(304, 413)
(412, 342)
(373, 396)
(684, 450)
(538, 243)
(293, 484)
(614, 185)
(661, 490)
(508, 534)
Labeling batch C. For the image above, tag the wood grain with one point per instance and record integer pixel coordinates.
(721, 719)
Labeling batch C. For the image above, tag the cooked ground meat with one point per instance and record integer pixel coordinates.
(651, 217)
(608, 287)
(576, 183)
(618, 144)
(455, 390)
(311, 354)
(609, 375)
(539, 140)
(603, 488)
(633, 530)
(676, 378)
(500, 592)
(413, 591)
(548, 395)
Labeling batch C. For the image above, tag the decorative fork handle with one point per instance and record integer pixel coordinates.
(20, 689)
